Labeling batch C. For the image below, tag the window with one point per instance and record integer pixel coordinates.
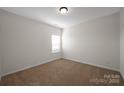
(55, 43)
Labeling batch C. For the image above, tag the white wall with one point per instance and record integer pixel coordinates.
(96, 42)
(0, 65)
(122, 41)
(0, 55)
(0, 49)
(0, 62)
(26, 43)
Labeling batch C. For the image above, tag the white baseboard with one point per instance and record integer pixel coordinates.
(47, 61)
(97, 65)
(43, 62)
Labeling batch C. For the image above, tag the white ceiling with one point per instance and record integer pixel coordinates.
(51, 16)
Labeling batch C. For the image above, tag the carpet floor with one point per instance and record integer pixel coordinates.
(65, 73)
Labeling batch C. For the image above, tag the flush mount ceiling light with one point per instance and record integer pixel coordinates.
(63, 10)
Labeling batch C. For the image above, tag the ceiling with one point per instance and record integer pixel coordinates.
(51, 15)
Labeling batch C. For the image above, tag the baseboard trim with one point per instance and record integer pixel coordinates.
(43, 62)
(96, 65)
(47, 61)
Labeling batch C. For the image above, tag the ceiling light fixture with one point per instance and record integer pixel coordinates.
(63, 10)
